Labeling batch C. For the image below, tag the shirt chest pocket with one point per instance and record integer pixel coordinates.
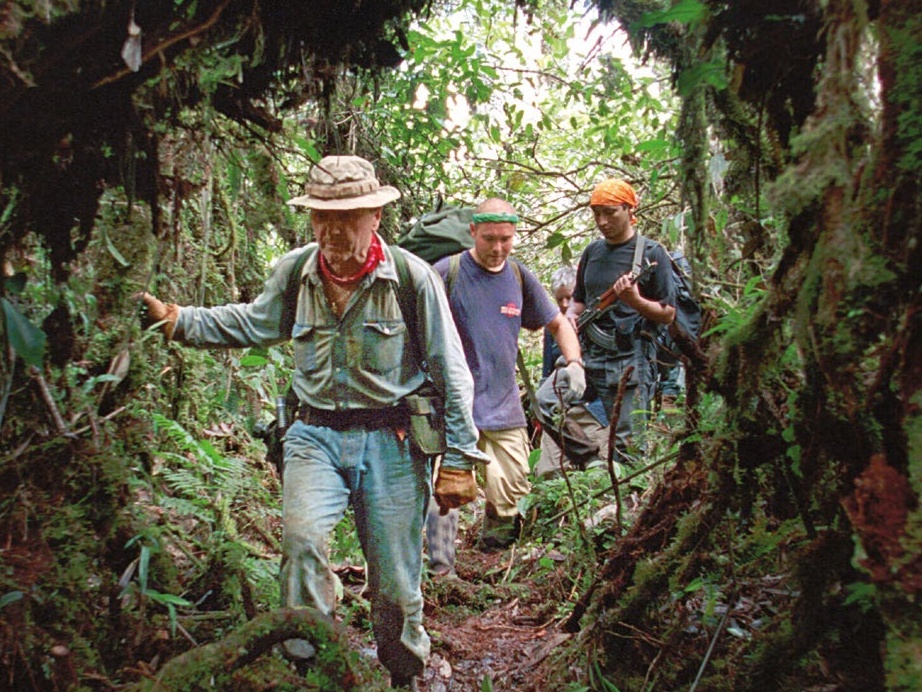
(382, 344)
(307, 343)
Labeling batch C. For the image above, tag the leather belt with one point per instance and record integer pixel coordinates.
(367, 418)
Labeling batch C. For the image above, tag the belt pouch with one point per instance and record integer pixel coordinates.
(427, 420)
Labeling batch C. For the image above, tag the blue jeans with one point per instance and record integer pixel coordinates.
(325, 471)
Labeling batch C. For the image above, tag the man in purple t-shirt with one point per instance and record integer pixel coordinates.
(490, 306)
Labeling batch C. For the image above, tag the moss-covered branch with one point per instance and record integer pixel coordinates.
(205, 666)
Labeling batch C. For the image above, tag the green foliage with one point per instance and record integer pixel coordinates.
(906, 55)
(598, 681)
(861, 594)
(702, 74)
(904, 653)
(485, 103)
(142, 566)
(683, 12)
(486, 106)
(201, 470)
(26, 340)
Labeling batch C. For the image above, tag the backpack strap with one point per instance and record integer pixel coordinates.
(519, 358)
(293, 290)
(406, 299)
(406, 296)
(517, 270)
(454, 266)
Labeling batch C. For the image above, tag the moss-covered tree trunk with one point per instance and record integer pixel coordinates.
(836, 418)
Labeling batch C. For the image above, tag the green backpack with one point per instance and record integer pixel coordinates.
(446, 230)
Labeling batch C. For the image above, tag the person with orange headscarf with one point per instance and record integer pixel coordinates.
(620, 344)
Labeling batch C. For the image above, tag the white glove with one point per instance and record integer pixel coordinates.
(576, 374)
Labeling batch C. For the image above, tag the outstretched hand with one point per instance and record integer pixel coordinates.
(158, 311)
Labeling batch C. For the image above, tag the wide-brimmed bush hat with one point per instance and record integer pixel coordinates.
(344, 182)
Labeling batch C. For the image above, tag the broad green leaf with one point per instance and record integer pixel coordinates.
(684, 12)
(653, 146)
(110, 246)
(709, 73)
(27, 340)
(566, 253)
(307, 146)
(15, 284)
(10, 597)
(253, 361)
(168, 598)
(556, 239)
(255, 358)
(143, 566)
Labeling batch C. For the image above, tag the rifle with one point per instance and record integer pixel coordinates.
(606, 301)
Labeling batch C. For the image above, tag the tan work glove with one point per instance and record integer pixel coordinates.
(158, 311)
(453, 488)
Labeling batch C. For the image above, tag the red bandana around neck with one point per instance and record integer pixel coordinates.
(374, 258)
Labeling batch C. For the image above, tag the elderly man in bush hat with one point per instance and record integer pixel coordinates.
(356, 361)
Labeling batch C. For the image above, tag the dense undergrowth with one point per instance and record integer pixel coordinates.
(146, 523)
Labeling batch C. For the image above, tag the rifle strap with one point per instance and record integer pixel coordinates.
(638, 254)
(612, 342)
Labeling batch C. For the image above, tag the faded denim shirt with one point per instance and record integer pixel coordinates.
(364, 359)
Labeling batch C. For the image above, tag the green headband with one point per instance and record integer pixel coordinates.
(495, 218)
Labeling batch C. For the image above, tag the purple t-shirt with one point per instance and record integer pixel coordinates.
(489, 309)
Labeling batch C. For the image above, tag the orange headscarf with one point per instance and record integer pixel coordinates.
(612, 193)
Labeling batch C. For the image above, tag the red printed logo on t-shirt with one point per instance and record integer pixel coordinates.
(510, 310)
